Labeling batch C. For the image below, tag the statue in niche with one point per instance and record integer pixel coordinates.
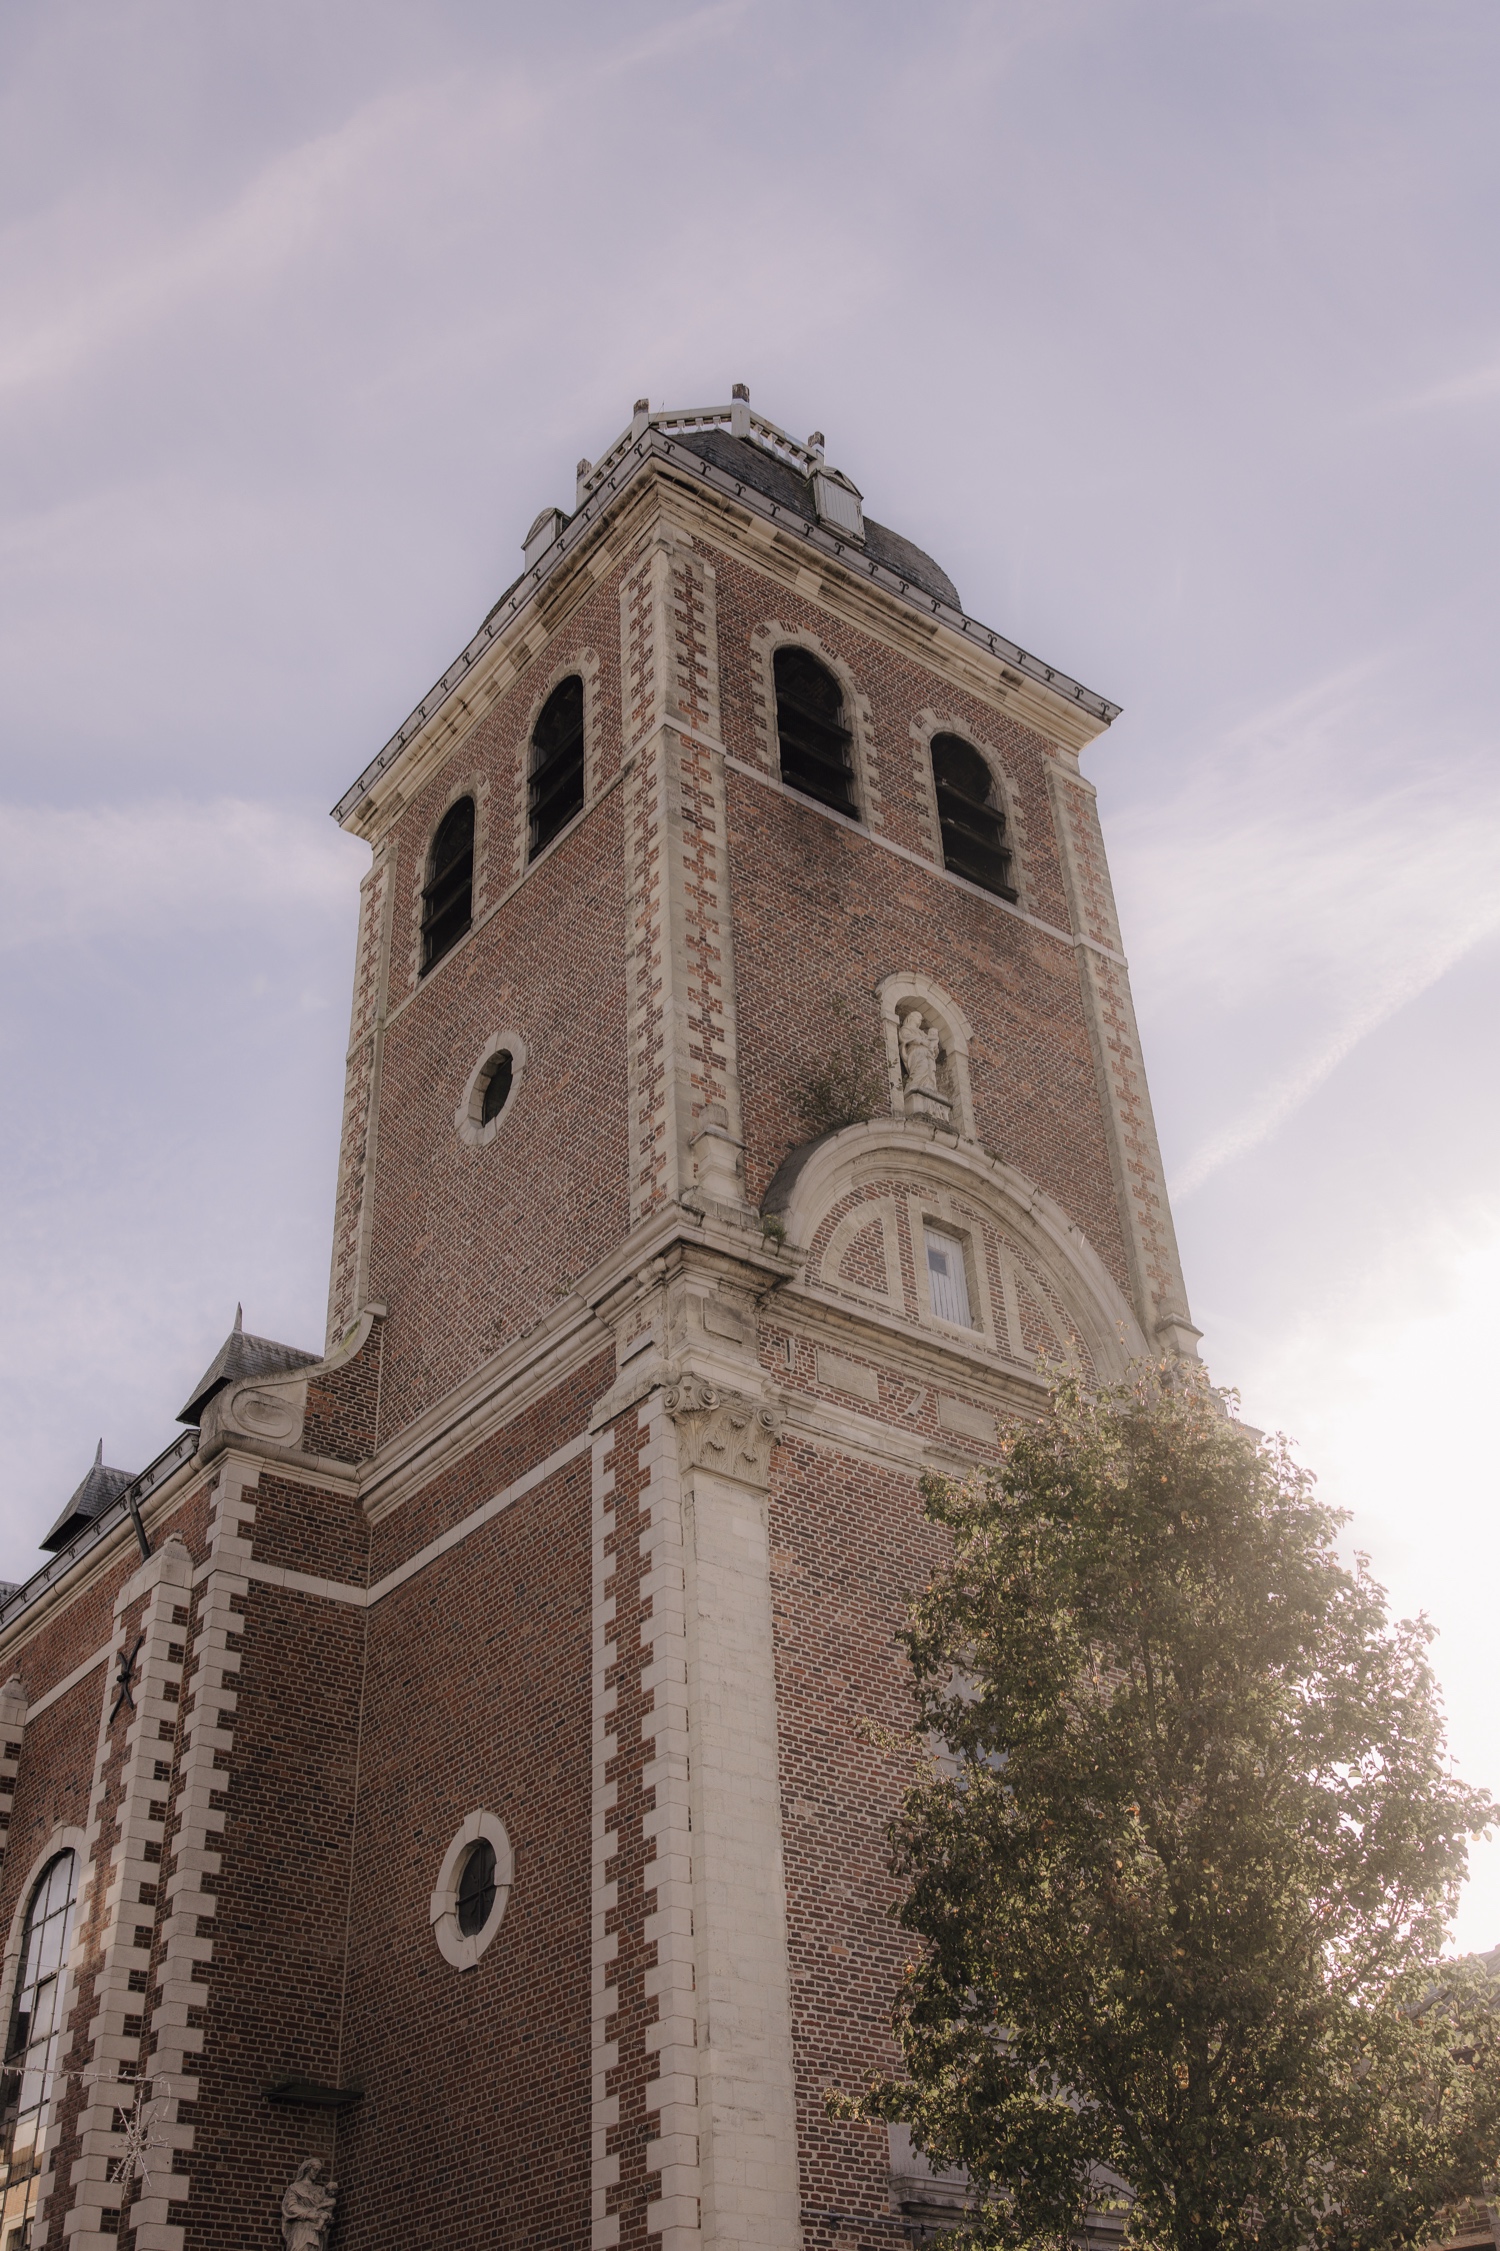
(307, 2208)
(920, 1045)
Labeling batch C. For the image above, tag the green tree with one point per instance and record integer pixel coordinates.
(1183, 1864)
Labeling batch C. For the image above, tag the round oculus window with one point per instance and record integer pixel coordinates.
(497, 1086)
(472, 1890)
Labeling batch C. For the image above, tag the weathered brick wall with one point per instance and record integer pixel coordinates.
(473, 1246)
(897, 698)
(274, 1983)
(470, 1247)
(492, 1465)
(343, 1406)
(848, 1543)
(821, 916)
(476, 2126)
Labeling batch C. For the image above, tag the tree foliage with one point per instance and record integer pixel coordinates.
(1183, 1866)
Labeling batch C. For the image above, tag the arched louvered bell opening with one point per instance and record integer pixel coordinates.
(816, 745)
(973, 826)
(556, 763)
(448, 897)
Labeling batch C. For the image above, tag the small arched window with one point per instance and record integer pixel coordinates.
(816, 745)
(35, 2038)
(448, 896)
(973, 825)
(556, 763)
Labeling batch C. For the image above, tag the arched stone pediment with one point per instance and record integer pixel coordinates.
(859, 1203)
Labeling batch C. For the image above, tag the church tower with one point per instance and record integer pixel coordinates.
(744, 1110)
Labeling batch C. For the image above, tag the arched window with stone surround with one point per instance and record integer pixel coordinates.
(448, 894)
(556, 792)
(972, 824)
(816, 742)
(34, 2041)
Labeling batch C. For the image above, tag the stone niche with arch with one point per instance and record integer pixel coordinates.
(866, 1205)
(927, 1052)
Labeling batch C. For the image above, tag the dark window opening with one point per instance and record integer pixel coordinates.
(973, 826)
(448, 899)
(815, 743)
(557, 763)
(476, 1888)
(497, 1086)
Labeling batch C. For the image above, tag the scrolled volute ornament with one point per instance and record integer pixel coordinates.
(725, 1432)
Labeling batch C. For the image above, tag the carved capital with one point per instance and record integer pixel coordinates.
(722, 1431)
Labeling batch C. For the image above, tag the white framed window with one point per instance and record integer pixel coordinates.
(947, 1278)
(35, 2040)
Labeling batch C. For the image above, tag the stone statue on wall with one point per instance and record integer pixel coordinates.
(919, 1054)
(307, 2208)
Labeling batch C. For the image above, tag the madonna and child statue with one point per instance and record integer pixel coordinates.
(307, 2208)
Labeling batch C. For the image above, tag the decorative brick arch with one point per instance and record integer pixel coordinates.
(948, 1176)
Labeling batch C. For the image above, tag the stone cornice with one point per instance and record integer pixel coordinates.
(1058, 706)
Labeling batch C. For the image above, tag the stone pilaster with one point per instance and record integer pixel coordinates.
(127, 1837)
(189, 1890)
(747, 2129)
(1135, 1156)
(354, 1198)
(683, 1062)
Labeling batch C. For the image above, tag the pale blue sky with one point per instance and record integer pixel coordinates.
(1172, 330)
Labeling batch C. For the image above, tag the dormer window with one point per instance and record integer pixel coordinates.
(816, 744)
(557, 763)
(972, 824)
(839, 502)
(448, 895)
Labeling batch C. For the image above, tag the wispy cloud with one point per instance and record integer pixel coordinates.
(395, 152)
(1457, 390)
(105, 872)
(1279, 895)
(1286, 1095)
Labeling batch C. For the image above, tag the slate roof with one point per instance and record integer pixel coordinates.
(93, 1497)
(778, 480)
(240, 1356)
